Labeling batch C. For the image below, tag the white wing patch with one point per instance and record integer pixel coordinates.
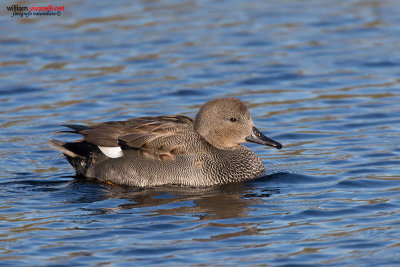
(111, 152)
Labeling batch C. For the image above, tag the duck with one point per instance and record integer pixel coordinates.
(170, 149)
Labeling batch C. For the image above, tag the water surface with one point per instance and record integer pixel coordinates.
(321, 77)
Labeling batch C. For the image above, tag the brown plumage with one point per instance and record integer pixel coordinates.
(173, 149)
(148, 135)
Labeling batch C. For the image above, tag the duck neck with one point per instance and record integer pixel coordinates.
(241, 164)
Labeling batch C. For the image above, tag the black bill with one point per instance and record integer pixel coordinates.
(257, 137)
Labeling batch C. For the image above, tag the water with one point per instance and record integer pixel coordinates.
(321, 77)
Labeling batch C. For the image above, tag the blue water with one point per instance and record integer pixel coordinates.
(319, 76)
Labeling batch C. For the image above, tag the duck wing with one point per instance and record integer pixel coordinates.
(158, 137)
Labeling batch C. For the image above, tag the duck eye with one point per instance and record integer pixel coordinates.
(233, 119)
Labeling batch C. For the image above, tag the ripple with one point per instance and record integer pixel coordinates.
(19, 91)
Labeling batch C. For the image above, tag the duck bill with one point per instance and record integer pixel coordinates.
(258, 138)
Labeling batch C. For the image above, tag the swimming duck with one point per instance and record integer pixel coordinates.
(171, 149)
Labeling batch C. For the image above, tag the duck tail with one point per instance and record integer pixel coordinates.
(77, 153)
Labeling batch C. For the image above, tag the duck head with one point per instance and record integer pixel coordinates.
(226, 123)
